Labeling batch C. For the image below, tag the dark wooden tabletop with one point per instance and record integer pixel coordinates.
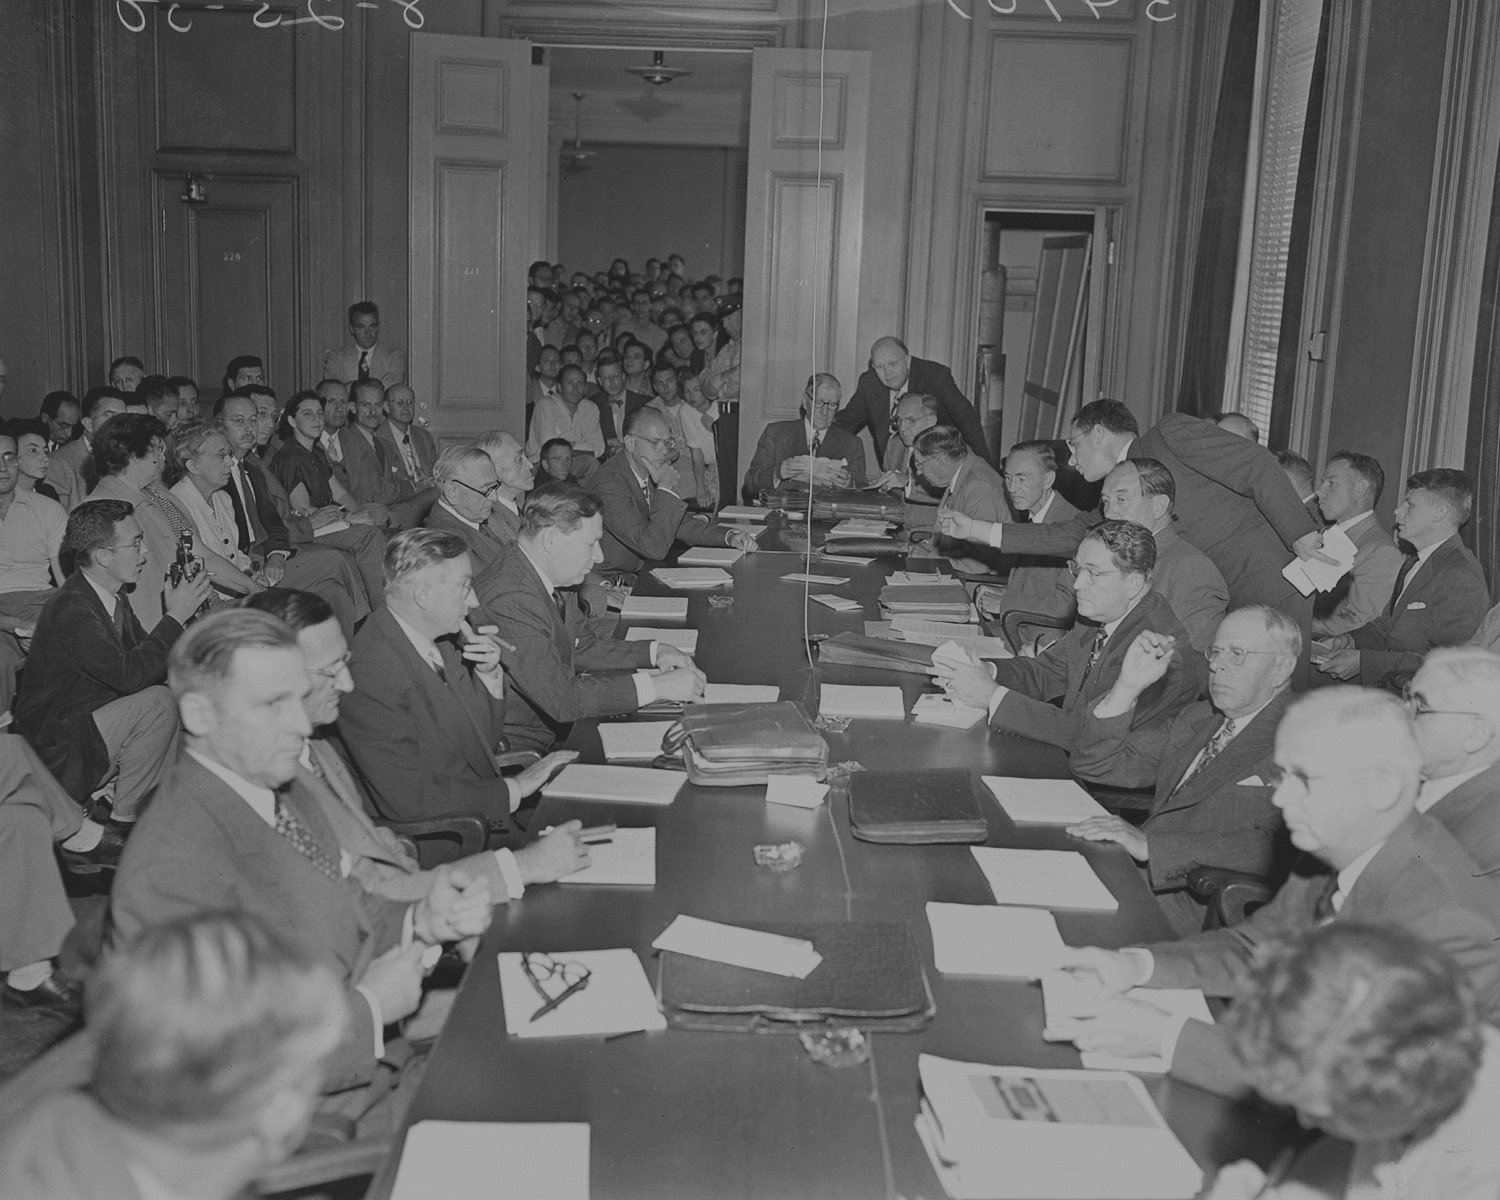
(690, 1114)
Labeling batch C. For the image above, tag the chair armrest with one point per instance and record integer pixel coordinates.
(469, 828)
(516, 758)
(321, 1167)
(1011, 622)
(1230, 895)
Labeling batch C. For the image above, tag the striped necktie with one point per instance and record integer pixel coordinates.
(1221, 738)
(1095, 653)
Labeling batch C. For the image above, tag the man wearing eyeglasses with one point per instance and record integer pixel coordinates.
(468, 489)
(809, 450)
(90, 701)
(1049, 697)
(644, 517)
(1209, 764)
(967, 483)
(1346, 777)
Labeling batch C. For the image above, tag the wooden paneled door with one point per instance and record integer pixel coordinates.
(474, 213)
(804, 218)
(226, 280)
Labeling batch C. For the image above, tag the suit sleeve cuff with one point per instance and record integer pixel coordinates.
(510, 871)
(645, 689)
(993, 536)
(1000, 693)
(377, 1020)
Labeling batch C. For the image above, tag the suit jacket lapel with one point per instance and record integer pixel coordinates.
(449, 710)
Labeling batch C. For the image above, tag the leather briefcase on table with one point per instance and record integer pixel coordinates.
(836, 504)
(916, 807)
(871, 976)
(742, 745)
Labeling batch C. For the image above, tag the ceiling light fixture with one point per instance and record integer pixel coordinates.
(658, 72)
(574, 158)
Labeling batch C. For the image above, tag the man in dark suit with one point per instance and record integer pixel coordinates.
(967, 483)
(616, 402)
(787, 449)
(234, 827)
(1049, 697)
(527, 594)
(1210, 765)
(425, 719)
(416, 450)
(376, 475)
(643, 515)
(91, 700)
(1348, 771)
(1440, 594)
(892, 373)
(65, 468)
(468, 494)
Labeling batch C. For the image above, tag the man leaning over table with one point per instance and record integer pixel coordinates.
(1347, 772)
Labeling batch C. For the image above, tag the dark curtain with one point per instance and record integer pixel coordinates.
(1206, 346)
(1482, 458)
(1291, 345)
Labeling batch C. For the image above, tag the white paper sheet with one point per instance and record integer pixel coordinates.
(1310, 575)
(853, 700)
(1066, 1000)
(740, 947)
(618, 998)
(541, 1161)
(741, 693)
(647, 608)
(933, 709)
(632, 741)
(795, 790)
(838, 603)
(710, 556)
(616, 785)
(628, 859)
(692, 578)
(1043, 801)
(822, 580)
(1043, 879)
(988, 939)
(685, 640)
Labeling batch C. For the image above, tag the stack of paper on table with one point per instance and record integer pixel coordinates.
(1066, 1001)
(750, 948)
(618, 998)
(850, 700)
(1310, 575)
(1043, 878)
(710, 556)
(685, 640)
(542, 1161)
(628, 859)
(994, 1133)
(741, 693)
(881, 630)
(933, 708)
(1043, 801)
(854, 560)
(838, 603)
(616, 785)
(633, 741)
(850, 649)
(986, 939)
(692, 578)
(657, 608)
(743, 512)
(820, 580)
(916, 578)
(860, 527)
(976, 644)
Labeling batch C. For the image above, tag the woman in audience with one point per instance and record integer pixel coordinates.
(1370, 1034)
(678, 351)
(199, 469)
(303, 468)
(31, 436)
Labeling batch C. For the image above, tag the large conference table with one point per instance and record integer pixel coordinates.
(681, 1113)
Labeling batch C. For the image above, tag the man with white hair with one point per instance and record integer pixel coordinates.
(468, 492)
(1347, 772)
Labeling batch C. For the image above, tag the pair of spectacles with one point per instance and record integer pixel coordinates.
(1420, 707)
(1278, 775)
(666, 443)
(133, 545)
(1233, 655)
(225, 455)
(543, 969)
(489, 493)
(1091, 574)
(240, 422)
(9, 460)
(334, 669)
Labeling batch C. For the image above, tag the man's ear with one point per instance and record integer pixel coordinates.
(199, 717)
(1048, 479)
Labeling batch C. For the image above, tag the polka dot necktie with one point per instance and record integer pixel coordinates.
(304, 843)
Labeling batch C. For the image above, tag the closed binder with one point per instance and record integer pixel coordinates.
(916, 807)
(740, 745)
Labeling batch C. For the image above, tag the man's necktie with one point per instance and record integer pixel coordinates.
(305, 844)
(1401, 577)
(1095, 653)
(646, 489)
(241, 519)
(1024, 517)
(437, 666)
(364, 364)
(817, 443)
(560, 602)
(118, 616)
(1221, 738)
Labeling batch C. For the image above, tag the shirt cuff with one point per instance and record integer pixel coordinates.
(377, 1020)
(654, 647)
(513, 790)
(1000, 693)
(510, 871)
(996, 531)
(494, 683)
(1170, 1034)
(1144, 960)
(645, 689)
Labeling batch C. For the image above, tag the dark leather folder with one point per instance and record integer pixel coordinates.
(916, 808)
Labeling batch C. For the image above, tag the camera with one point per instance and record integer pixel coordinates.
(186, 565)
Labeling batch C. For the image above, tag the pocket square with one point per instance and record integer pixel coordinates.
(1417, 605)
(1251, 781)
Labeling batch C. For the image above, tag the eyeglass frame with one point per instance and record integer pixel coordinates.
(1235, 654)
(490, 493)
(554, 967)
(335, 668)
(1277, 775)
(1417, 705)
(669, 442)
(1077, 569)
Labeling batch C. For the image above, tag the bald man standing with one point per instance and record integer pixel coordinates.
(893, 372)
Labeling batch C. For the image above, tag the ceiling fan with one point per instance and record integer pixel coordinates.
(658, 72)
(573, 158)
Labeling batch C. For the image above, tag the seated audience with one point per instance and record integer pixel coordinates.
(126, 373)
(424, 722)
(208, 1039)
(570, 417)
(233, 826)
(1143, 491)
(1440, 595)
(694, 438)
(201, 459)
(556, 661)
(809, 450)
(382, 864)
(62, 413)
(365, 356)
(644, 517)
(33, 442)
(31, 534)
(416, 449)
(557, 460)
(163, 401)
(1050, 697)
(1209, 764)
(313, 489)
(517, 477)
(66, 468)
(1351, 485)
(1347, 772)
(1371, 1035)
(243, 371)
(967, 484)
(892, 373)
(376, 475)
(468, 494)
(90, 700)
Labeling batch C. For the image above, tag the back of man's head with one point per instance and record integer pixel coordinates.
(1297, 469)
(91, 526)
(557, 505)
(1110, 415)
(414, 551)
(941, 441)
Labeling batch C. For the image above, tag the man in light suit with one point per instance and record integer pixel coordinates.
(786, 449)
(1351, 485)
(892, 373)
(1049, 697)
(517, 476)
(967, 483)
(643, 515)
(556, 659)
(416, 451)
(468, 494)
(1209, 765)
(376, 475)
(65, 469)
(1440, 594)
(1143, 491)
(1347, 770)
(235, 826)
(368, 357)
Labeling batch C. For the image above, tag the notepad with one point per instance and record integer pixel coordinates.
(852, 700)
(658, 608)
(934, 709)
(542, 1161)
(739, 947)
(1066, 1000)
(743, 512)
(838, 603)
(1043, 879)
(1043, 801)
(854, 560)
(1310, 575)
(633, 741)
(986, 939)
(741, 693)
(710, 556)
(797, 791)
(692, 578)
(628, 859)
(685, 640)
(615, 785)
(618, 998)
(821, 580)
